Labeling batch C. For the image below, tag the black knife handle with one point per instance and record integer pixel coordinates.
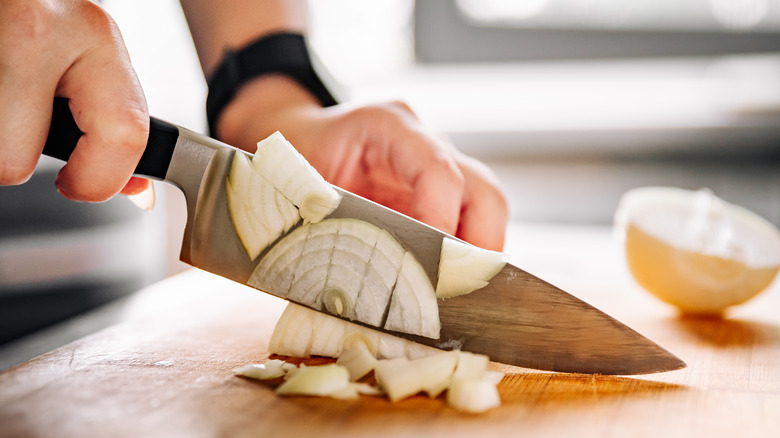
(64, 134)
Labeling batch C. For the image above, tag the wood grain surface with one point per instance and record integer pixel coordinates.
(166, 371)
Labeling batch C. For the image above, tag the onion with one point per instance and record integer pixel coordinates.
(260, 214)
(302, 332)
(278, 161)
(473, 395)
(271, 369)
(358, 361)
(694, 250)
(413, 308)
(325, 380)
(352, 269)
(464, 268)
(270, 193)
(402, 368)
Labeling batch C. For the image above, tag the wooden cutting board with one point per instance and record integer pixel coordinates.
(167, 370)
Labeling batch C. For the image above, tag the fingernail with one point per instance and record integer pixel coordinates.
(144, 200)
(59, 188)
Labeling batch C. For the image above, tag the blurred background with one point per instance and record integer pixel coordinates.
(571, 102)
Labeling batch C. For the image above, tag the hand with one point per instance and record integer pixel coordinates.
(381, 152)
(69, 49)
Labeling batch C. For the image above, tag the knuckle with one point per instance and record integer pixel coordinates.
(446, 169)
(97, 19)
(488, 181)
(500, 202)
(393, 113)
(127, 133)
(24, 21)
(401, 105)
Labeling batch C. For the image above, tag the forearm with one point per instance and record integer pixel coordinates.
(217, 25)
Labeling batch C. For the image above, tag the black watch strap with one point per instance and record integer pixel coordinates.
(284, 53)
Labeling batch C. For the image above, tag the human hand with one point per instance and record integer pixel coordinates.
(381, 152)
(70, 49)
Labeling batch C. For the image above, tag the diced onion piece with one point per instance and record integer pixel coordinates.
(473, 395)
(271, 369)
(290, 368)
(366, 389)
(464, 268)
(355, 336)
(349, 392)
(324, 380)
(401, 378)
(291, 174)
(471, 366)
(494, 377)
(358, 361)
(393, 376)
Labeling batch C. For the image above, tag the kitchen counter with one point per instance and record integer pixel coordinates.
(165, 369)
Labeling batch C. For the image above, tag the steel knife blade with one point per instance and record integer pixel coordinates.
(517, 319)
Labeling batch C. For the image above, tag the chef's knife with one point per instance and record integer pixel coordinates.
(517, 319)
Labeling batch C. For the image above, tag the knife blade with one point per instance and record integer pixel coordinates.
(517, 319)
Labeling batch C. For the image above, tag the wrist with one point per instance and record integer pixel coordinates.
(283, 53)
(273, 102)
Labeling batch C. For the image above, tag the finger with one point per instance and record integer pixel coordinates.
(423, 163)
(23, 127)
(135, 186)
(108, 105)
(28, 78)
(437, 183)
(485, 211)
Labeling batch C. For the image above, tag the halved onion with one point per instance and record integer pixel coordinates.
(354, 270)
(694, 250)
